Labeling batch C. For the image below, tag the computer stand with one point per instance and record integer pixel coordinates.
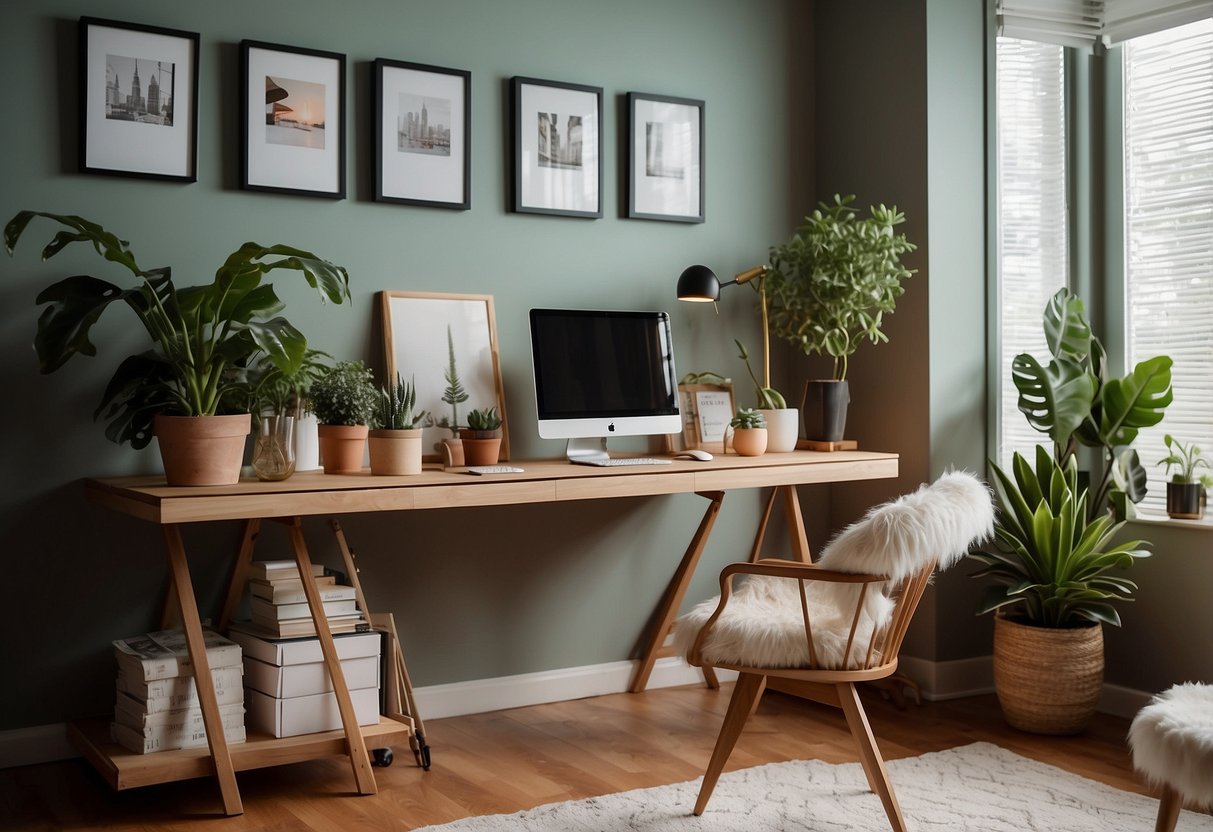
(587, 449)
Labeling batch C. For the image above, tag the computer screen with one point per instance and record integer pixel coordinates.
(603, 373)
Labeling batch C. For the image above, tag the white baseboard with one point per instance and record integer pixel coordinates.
(939, 681)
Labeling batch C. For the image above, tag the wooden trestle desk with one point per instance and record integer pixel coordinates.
(310, 494)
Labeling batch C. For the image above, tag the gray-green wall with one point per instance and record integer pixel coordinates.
(478, 593)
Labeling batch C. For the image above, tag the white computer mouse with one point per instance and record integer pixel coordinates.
(693, 453)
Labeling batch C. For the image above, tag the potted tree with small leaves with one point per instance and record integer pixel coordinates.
(1186, 489)
(749, 432)
(344, 402)
(395, 441)
(482, 437)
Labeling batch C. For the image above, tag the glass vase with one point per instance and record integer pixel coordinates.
(274, 448)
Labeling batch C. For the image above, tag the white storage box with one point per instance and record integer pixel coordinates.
(306, 714)
(291, 680)
(307, 650)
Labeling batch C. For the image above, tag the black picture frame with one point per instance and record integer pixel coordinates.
(292, 149)
(549, 176)
(410, 166)
(665, 148)
(151, 131)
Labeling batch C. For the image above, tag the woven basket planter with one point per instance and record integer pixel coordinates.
(1047, 679)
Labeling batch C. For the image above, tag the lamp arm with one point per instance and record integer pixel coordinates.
(758, 273)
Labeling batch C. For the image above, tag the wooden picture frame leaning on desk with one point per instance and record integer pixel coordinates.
(706, 411)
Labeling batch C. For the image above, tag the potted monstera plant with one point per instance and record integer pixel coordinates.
(188, 389)
(830, 287)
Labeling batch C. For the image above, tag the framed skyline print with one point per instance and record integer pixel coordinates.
(665, 158)
(557, 148)
(420, 332)
(138, 100)
(421, 126)
(292, 120)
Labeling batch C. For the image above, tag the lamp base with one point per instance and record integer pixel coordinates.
(821, 445)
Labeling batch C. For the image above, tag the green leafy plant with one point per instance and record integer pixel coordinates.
(1049, 564)
(768, 397)
(705, 377)
(485, 419)
(454, 394)
(747, 418)
(1186, 459)
(202, 336)
(1074, 401)
(831, 284)
(394, 406)
(285, 392)
(345, 395)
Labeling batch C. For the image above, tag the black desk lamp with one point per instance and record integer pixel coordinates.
(700, 284)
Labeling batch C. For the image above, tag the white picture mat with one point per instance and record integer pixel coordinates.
(132, 146)
(415, 175)
(282, 166)
(418, 351)
(558, 188)
(663, 194)
(715, 411)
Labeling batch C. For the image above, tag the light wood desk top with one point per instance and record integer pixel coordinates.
(542, 481)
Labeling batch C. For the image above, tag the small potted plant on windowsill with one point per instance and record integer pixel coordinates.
(1186, 490)
(482, 437)
(749, 432)
(395, 441)
(344, 402)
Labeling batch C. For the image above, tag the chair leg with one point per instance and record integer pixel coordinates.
(869, 754)
(745, 694)
(1168, 810)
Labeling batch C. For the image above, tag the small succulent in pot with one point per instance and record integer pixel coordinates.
(748, 419)
(394, 407)
(346, 395)
(485, 423)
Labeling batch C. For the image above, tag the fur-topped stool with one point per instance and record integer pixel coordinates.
(1172, 744)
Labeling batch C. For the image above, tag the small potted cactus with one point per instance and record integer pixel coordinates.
(749, 432)
(482, 437)
(344, 402)
(395, 441)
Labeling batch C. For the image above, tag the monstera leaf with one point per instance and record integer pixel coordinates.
(1056, 399)
(1136, 401)
(1066, 329)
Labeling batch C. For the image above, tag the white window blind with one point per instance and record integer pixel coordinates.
(1168, 116)
(1085, 23)
(1033, 237)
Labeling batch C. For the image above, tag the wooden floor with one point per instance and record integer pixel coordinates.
(511, 760)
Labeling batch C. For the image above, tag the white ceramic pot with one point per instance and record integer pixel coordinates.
(783, 429)
(307, 446)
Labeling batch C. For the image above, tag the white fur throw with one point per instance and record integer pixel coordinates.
(1172, 741)
(762, 626)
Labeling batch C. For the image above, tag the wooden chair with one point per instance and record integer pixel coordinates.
(820, 628)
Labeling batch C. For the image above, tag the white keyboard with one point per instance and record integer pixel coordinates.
(493, 469)
(623, 460)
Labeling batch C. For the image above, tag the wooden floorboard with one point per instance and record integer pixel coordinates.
(511, 760)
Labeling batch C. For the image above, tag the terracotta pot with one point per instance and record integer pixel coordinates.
(452, 452)
(750, 441)
(395, 452)
(342, 448)
(783, 429)
(480, 447)
(1047, 679)
(202, 450)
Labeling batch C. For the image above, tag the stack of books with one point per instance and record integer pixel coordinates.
(157, 707)
(278, 605)
(289, 691)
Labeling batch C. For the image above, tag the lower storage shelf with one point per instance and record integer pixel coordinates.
(124, 769)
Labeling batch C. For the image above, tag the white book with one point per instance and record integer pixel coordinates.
(157, 704)
(163, 654)
(180, 688)
(263, 610)
(274, 570)
(291, 592)
(129, 712)
(134, 741)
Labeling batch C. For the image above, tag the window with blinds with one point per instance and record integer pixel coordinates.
(1033, 222)
(1168, 127)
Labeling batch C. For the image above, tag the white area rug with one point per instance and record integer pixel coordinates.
(975, 787)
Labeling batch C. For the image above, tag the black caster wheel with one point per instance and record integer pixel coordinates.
(381, 757)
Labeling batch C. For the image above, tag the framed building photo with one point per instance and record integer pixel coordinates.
(665, 158)
(422, 121)
(421, 331)
(557, 148)
(138, 100)
(707, 410)
(292, 120)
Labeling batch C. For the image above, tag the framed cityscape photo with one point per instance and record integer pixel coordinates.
(138, 100)
(292, 119)
(422, 121)
(557, 148)
(665, 158)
